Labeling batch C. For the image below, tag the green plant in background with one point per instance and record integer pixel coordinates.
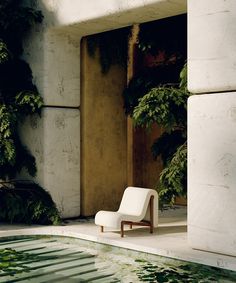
(167, 106)
(18, 95)
(157, 93)
(19, 201)
(26, 202)
(162, 105)
(147, 79)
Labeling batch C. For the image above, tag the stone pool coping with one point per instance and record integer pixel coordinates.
(169, 239)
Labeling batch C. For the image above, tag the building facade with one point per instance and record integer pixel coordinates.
(54, 53)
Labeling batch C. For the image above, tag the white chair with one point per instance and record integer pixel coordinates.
(139, 206)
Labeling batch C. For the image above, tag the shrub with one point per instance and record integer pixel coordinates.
(26, 202)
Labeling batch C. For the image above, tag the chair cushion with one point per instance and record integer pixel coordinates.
(113, 219)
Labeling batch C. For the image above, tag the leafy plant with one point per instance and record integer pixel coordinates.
(19, 201)
(167, 144)
(167, 106)
(173, 178)
(146, 80)
(163, 105)
(26, 202)
(18, 95)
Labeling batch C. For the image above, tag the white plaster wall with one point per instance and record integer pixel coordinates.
(212, 172)
(211, 45)
(55, 142)
(55, 61)
(53, 52)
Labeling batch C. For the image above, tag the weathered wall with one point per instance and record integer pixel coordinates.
(53, 51)
(142, 169)
(54, 141)
(212, 178)
(211, 125)
(212, 53)
(146, 169)
(103, 136)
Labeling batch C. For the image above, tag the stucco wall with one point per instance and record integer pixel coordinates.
(103, 135)
(55, 140)
(211, 125)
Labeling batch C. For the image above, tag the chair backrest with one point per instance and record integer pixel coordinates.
(135, 201)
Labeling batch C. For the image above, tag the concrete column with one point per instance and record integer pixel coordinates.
(55, 138)
(103, 135)
(211, 125)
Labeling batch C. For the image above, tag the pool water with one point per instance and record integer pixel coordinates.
(64, 259)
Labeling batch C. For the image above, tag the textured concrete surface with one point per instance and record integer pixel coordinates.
(211, 45)
(103, 135)
(55, 142)
(211, 172)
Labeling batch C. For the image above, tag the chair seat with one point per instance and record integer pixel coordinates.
(113, 219)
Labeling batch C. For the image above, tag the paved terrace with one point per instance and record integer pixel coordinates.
(169, 239)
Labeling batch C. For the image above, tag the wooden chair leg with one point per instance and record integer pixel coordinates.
(122, 229)
(102, 229)
(130, 226)
(151, 214)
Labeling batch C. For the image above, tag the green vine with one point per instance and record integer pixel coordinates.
(112, 46)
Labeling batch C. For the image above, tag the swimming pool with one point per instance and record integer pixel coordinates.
(64, 259)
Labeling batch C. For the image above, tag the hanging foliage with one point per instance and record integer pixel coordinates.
(147, 79)
(18, 95)
(167, 106)
(173, 178)
(112, 47)
(163, 105)
(162, 46)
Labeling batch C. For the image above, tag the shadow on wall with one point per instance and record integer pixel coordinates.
(55, 138)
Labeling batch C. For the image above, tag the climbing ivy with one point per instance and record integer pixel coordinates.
(18, 95)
